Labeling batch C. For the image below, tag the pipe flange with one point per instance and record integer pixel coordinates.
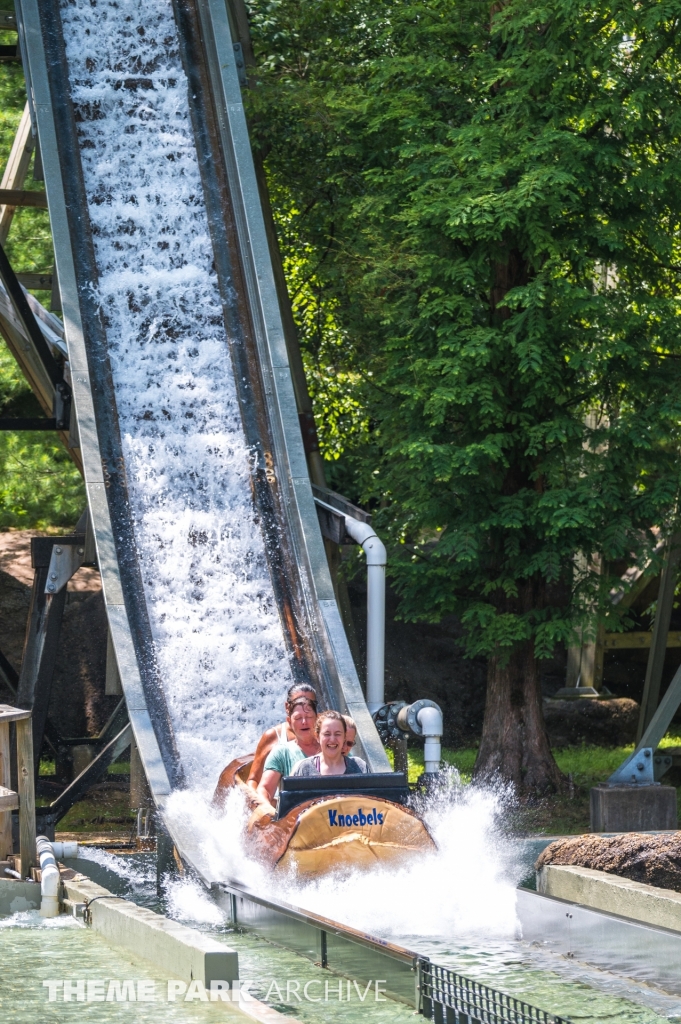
(385, 719)
(412, 714)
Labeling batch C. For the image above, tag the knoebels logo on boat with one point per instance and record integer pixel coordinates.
(345, 820)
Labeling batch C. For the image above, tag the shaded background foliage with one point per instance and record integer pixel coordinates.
(483, 202)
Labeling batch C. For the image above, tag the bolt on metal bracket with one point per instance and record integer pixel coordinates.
(65, 561)
(637, 770)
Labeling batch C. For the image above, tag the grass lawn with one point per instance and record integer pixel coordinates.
(106, 808)
(562, 815)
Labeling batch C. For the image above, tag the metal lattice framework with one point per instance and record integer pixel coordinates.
(450, 998)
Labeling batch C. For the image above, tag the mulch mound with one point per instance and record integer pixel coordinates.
(605, 723)
(653, 859)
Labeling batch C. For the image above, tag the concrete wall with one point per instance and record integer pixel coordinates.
(180, 951)
(615, 895)
(16, 896)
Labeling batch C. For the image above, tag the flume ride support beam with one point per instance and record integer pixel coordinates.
(374, 549)
(61, 392)
(658, 643)
(98, 436)
(90, 775)
(16, 170)
(40, 650)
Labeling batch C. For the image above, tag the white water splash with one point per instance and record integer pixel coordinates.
(132, 871)
(467, 887)
(32, 919)
(189, 902)
(213, 616)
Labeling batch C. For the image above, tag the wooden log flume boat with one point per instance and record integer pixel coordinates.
(329, 824)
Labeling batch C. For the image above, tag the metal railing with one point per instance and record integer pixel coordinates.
(450, 998)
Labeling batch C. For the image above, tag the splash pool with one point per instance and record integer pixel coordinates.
(555, 983)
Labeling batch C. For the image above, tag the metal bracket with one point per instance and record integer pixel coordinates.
(661, 765)
(65, 561)
(637, 770)
(61, 406)
(240, 64)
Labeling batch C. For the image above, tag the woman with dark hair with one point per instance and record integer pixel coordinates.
(331, 729)
(282, 733)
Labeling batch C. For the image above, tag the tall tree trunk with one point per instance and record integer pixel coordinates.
(514, 745)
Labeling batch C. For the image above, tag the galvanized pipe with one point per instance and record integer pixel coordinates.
(430, 720)
(374, 549)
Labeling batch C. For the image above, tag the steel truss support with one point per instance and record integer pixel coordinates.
(658, 643)
(54, 559)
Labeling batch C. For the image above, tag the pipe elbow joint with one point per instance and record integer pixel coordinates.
(49, 878)
(430, 720)
(365, 535)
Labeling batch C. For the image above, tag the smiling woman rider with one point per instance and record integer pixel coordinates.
(301, 716)
(331, 729)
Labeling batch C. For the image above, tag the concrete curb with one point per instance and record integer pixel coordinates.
(603, 891)
(180, 951)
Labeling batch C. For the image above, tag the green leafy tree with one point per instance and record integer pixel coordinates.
(40, 486)
(495, 194)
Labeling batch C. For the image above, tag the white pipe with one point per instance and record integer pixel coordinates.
(430, 720)
(49, 878)
(374, 549)
(65, 850)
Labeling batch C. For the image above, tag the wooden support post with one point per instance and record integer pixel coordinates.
(6, 782)
(26, 796)
(16, 169)
(658, 644)
(24, 799)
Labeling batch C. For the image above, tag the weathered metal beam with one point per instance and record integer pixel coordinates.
(40, 650)
(28, 423)
(28, 321)
(87, 778)
(9, 675)
(662, 718)
(116, 722)
(658, 644)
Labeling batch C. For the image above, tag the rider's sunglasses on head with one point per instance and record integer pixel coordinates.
(303, 703)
